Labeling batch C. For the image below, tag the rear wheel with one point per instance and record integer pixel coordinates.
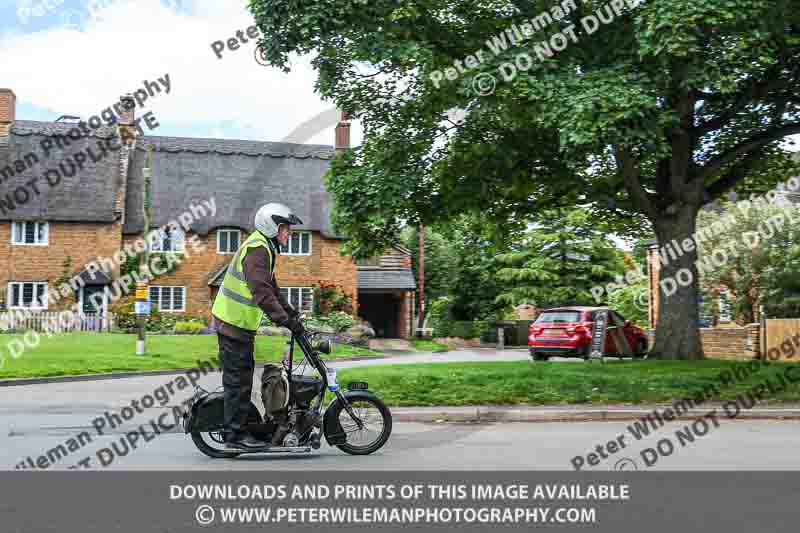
(212, 444)
(641, 349)
(538, 356)
(377, 426)
(586, 352)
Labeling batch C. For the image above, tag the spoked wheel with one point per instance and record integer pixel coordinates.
(212, 444)
(377, 426)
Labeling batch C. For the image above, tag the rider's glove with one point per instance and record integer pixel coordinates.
(295, 326)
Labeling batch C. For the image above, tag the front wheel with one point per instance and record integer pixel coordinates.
(377, 425)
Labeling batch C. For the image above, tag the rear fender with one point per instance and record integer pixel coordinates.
(334, 433)
(208, 413)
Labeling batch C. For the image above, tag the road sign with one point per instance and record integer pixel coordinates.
(142, 291)
(142, 308)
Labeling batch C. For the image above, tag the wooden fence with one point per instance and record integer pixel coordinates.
(782, 339)
(56, 322)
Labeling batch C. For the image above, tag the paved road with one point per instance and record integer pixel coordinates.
(35, 419)
(752, 445)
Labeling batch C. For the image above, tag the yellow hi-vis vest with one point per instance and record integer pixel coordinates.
(234, 301)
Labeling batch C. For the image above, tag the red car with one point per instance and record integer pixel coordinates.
(567, 332)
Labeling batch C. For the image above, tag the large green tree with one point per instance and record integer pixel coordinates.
(562, 258)
(644, 120)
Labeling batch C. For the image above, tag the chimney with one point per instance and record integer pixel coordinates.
(8, 111)
(126, 129)
(127, 104)
(343, 134)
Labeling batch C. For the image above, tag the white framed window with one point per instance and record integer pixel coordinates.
(171, 299)
(168, 240)
(27, 295)
(228, 241)
(301, 298)
(30, 233)
(299, 244)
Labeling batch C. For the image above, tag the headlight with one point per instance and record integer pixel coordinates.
(324, 346)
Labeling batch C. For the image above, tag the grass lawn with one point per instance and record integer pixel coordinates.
(510, 383)
(88, 353)
(428, 346)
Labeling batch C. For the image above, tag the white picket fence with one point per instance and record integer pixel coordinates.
(56, 322)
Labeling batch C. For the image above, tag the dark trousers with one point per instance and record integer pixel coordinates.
(238, 366)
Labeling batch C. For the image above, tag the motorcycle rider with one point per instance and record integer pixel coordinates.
(249, 289)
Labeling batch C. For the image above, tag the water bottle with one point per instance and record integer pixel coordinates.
(332, 385)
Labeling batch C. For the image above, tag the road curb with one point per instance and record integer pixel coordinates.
(15, 382)
(490, 414)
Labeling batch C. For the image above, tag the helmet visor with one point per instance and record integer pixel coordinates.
(291, 220)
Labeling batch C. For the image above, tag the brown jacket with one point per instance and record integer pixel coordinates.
(266, 294)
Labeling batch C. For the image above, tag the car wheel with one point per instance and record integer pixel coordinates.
(537, 356)
(586, 352)
(641, 349)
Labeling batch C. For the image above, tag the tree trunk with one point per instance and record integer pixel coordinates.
(677, 333)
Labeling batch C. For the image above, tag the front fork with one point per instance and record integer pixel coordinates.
(349, 408)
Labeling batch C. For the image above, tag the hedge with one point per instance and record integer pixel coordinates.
(468, 329)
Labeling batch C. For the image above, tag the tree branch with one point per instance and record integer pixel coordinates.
(630, 175)
(737, 172)
(754, 142)
(754, 92)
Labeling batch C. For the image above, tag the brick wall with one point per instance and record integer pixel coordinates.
(405, 314)
(731, 343)
(324, 264)
(81, 242)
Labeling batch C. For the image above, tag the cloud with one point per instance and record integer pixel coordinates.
(81, 70)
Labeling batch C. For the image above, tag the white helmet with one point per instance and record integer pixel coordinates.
(271, 215)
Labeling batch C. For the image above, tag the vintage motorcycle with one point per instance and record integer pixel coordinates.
(356, 421)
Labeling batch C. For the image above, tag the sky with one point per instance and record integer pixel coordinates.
(76, 57)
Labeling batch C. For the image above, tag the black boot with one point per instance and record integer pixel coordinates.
(245, 441)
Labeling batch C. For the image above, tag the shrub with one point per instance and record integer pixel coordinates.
(338, 320)
(188, 328)
(438, 317)
(330, 298)
(469, 329)
(157, 322)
